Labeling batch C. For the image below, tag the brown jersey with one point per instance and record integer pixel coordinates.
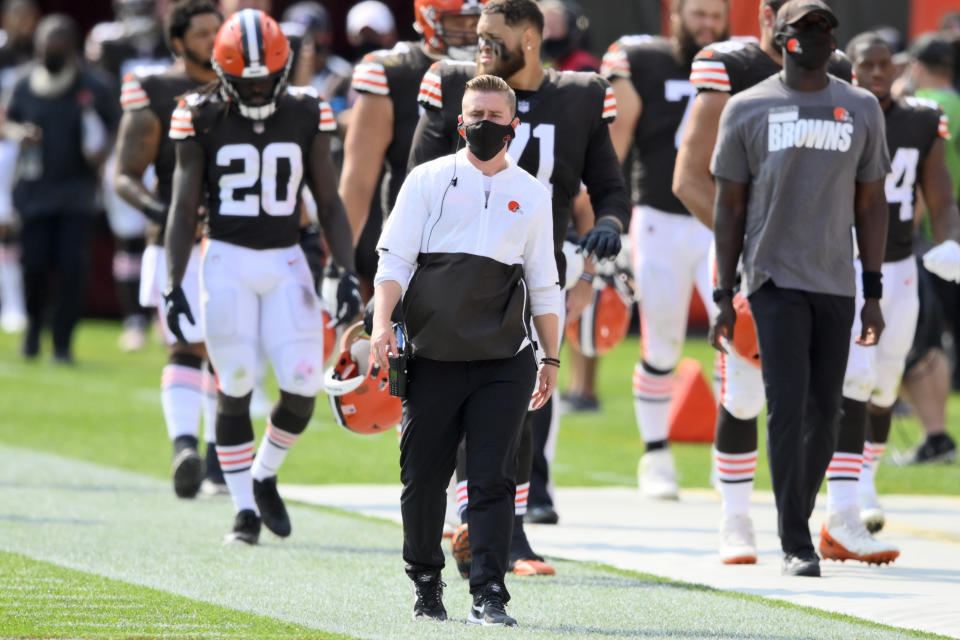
(254, 168)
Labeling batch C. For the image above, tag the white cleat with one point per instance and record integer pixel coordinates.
(657, 475)
(871, 512)
(737, 543)
(844, 537)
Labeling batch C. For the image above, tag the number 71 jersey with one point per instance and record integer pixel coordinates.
(254, 168)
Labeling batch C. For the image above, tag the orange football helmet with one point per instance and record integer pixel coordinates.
(251, 57)
(429, 14)
(745, 332)
(603, 323)
(358, 389)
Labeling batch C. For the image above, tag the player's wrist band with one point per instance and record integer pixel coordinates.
(872, 284)
(719, 294)
(587, 277)
(553, 362)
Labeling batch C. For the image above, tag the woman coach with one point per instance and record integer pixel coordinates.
(469, 247)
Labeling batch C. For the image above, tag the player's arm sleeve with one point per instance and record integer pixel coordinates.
(540, 263)
(601, 171)
(432, 137)
(181, 122)
(369, 76)
(399, 244)
(730, 160)
(710, 74)
(875, 160)
(615, 63)
(133, 96)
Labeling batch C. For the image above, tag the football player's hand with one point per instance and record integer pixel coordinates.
(723, 323)
(603, 240)
(383, 342)
(871, 319)
(349, 300)
(943, 260)
(546, 383)
(175, 303)
(578, 297)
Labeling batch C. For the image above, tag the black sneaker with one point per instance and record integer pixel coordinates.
(541, 514)
(187, 467)
(488, 608)
(213, 483)
(578, 403)
(936, 448)
(246, 528)
(802, 563)
(271, 506)
(428, 589)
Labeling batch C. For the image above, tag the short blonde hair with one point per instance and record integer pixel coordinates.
(493, 84)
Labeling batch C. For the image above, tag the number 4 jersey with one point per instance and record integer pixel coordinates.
(254, 168)
(913, 125)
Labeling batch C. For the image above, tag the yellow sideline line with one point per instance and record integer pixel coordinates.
(936, 535)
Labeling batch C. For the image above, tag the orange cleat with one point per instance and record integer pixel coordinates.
(532, 567)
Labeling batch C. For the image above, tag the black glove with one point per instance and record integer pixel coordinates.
(603, 240)
(175, 303)
(349, 300)
(313, 251)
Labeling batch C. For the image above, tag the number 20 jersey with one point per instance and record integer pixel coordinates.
(254, 168)
(662, 82)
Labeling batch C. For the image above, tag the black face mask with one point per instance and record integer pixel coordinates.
(810, 49)
(55, 62)
(485, 138)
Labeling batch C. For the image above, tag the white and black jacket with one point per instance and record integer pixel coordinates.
(473, 268)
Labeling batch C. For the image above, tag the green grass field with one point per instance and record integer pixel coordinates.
(93, 544)
(106, 409)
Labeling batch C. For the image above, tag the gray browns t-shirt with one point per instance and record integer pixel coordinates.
(802, 152)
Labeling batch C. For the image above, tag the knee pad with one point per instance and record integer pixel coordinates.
(887, 383)
(236, 367)
(859, 382)
(298, 367)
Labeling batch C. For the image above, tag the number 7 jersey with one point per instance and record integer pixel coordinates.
(254, 168)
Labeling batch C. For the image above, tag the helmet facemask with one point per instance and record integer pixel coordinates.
(253, 104)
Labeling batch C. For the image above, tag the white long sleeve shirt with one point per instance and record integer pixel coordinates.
(456, 240)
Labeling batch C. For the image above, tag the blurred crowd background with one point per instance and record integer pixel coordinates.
(577, 35)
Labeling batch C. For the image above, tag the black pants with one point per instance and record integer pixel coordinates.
(485, 402)
(804, 342)
(540, 469)
(55, 245)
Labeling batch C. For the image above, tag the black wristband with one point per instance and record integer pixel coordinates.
(719, 294)
(872, 284)
(553, 362)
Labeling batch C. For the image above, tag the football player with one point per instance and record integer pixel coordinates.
(249, 142)
(386, 113)
(916, 133)
(650, 76)
(718, 72)
(188, 388)
(135, 41)
(562, 139)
